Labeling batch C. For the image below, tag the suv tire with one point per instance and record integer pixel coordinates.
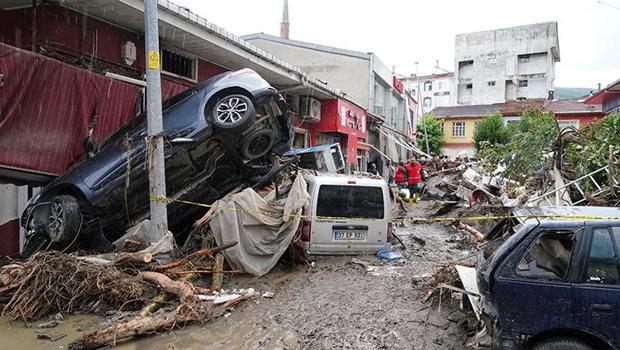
(257, 144)
(562, 343)
(233, 113)
(63, 220)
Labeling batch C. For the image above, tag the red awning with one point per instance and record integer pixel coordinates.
(46, 107)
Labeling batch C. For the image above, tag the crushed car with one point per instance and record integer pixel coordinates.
(550, 279)
(220, 134)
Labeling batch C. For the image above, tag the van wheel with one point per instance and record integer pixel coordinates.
(562, 343)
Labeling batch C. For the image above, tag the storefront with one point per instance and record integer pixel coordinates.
(345, 123)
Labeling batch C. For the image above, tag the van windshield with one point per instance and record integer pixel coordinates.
(350, 202)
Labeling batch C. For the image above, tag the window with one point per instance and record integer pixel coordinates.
(568, 123)
(458, 129)
(491, 83)
(427, 102)
(511, 120)
(524, 58)
(350, 201)
(548, 257)
(469, 86)
(428, 86)
(441, 126)
(177, 64)
(602, 265)
(476, 125)
(522, 83)
(438, 85)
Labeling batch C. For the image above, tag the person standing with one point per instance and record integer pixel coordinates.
(414, 177)
(400, 176)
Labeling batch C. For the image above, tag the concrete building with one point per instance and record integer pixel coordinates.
(361, 76)
(460, 122)
(436, 90)
(506, 64)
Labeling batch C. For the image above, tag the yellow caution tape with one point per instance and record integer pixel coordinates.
(398, 219)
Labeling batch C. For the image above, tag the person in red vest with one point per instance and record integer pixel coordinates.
(414, 177)
(400, 176)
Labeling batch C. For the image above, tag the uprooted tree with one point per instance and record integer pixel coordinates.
(530, 149)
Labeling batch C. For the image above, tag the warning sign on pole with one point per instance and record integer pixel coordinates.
(153, 60)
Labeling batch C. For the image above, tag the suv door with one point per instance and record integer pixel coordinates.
(532, 289)
(596, 299)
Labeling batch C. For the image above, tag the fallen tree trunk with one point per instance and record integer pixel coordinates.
(201, 252)
(140, 325)
(183, 289)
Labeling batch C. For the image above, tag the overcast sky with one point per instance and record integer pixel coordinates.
(401, 32)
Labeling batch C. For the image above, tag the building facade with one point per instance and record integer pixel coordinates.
(506, 64)
(359, 76)
(436, 90)
(460, 122)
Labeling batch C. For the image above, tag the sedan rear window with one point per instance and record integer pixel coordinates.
(350, 202)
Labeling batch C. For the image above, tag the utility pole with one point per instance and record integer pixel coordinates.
(154, 140)
(417, 78)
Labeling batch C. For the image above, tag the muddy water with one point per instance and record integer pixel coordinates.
(16, 335)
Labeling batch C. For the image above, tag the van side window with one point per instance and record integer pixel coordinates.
(548, 257)
(350, 201)
(603, 261)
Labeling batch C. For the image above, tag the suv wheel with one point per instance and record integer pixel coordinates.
(257, 144)
(562, 343)
(233, 113)
(63, 220)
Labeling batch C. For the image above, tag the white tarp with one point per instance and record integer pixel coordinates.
(263, 227)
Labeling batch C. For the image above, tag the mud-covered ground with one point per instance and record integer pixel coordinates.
(340, 303)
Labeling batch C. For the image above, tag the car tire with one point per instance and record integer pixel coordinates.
(562, 343)
(233, 113)
(35, 238)
(63, 220)
(257, 144)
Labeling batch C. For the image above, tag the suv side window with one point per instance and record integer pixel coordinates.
(602, 265)
(548, 257)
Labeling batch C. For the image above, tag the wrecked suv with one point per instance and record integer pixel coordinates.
(218, 135)
(555, 282)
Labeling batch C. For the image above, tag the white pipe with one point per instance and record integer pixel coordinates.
(129, 80)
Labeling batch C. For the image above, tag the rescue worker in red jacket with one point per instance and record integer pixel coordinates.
(400, 176)
(414, 178)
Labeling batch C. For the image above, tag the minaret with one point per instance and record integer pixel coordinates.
(284, 24)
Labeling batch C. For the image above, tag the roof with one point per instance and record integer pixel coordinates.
(430, 76)
(517, 107)
(306, 45)
(598, 97)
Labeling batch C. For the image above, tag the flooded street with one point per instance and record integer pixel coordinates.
(341, 303)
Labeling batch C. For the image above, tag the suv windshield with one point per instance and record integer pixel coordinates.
(350, 202)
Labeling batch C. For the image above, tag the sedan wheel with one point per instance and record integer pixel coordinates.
(257, 144)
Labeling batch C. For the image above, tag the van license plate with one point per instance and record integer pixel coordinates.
(350, 235)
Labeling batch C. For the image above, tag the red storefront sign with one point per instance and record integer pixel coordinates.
(398, 85)
(346, 118)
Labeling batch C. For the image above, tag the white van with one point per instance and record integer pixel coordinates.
(346, 214)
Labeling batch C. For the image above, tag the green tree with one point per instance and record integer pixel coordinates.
(433, 129)
(492, 130)
(530, 149)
